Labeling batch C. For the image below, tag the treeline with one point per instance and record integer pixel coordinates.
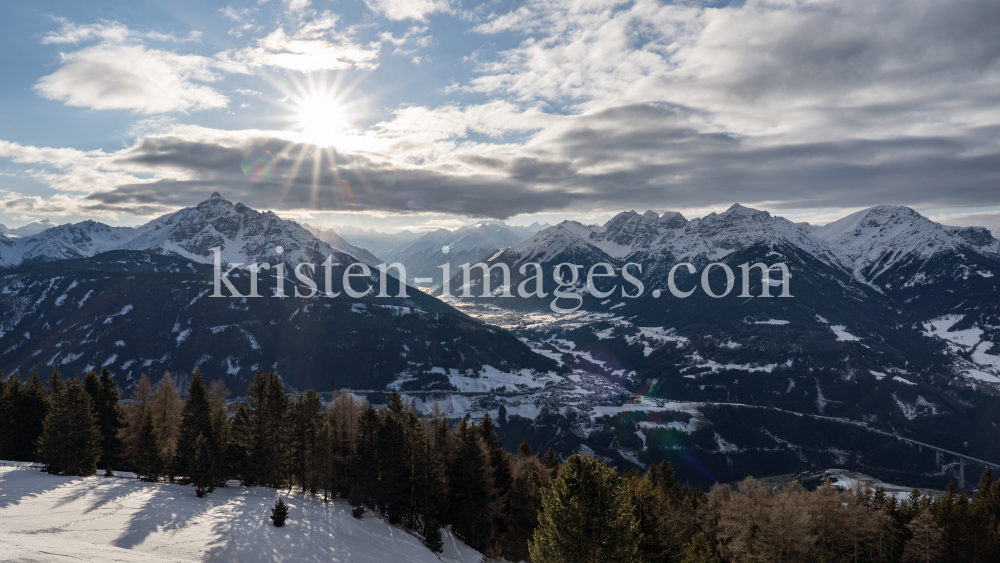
(423, 472)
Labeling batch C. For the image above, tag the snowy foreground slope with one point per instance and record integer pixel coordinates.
(45, 518)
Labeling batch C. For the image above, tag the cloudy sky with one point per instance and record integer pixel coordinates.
(415, 113)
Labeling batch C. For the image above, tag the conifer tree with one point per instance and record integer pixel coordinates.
(167, 407)
(699, 551)
(221, 435)
(259, 430)
(196, 420)
(105, 396)
(364, 469)
(524, 449)
(149, 459)
(432, 536)
(471, 489)
(522, 511)
(307, 420)
(393, 488)
(201, 467)
(660, 525)
(551, 460)
(135, 408)
(585, 517)
(71, 439)
(924, 545)
(279, 514)
(27, 406)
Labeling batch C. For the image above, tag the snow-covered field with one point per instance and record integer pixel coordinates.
(46, 518)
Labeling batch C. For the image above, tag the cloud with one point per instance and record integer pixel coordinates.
(313, 45)
(107, 31)
(408, 9)
(132, 77)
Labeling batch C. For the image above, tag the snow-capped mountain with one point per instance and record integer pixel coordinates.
(472, 243)
(32, 228)
(79, 240)
(246, 236)
(875, 241)
(378, 243)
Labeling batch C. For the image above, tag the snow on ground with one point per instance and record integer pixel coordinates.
(940, 327)
(46, 518)
(771, 322)
(842, 334)
(848, 480)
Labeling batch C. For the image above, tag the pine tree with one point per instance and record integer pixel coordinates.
(392, 492)
(471, 489)
(196, 420)
(924, 545)
(660, 525)
(279, 514)
(551, 460)
(221, 436)
(260, 432)
(699, 551)
(27, 407)
(354, 499)
(585, 517)
(71, 438)
(140, 399)
(522, 510)
(432, 536)
(110, 416)
(149, 460)
(524, 450)
(201, 467)
(307, 419)
(167, 406)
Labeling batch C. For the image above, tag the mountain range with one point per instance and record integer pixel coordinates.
(890, 329)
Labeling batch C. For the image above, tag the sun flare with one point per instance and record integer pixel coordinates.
(322, 119)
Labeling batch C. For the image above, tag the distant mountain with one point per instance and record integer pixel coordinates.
(32, 228)
(472, 243)
(377, 242)
(79, 240)
(246, 235)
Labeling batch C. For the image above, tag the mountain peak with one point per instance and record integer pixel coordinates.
(215, 195)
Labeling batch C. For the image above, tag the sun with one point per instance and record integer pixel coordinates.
(322, 119)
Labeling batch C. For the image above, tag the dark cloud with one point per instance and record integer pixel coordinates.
(653, 162)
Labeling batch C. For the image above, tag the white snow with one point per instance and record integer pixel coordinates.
(842, 334)
(45, 518)
(941, 327)
(771, 322)
(902, 380)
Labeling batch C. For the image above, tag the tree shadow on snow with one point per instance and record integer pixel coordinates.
(169, 508)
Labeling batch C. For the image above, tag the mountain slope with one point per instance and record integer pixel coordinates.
(246, 236)
(137, 312)
(423, 257)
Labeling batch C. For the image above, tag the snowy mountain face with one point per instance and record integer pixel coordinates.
(79, 240)
(378, 243)
(32, 228)
(246, 236)
(876, 240)
(473, 243)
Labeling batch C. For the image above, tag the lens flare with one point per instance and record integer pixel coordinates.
(257, 164)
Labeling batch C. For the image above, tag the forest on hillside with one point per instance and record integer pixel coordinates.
(426, 472)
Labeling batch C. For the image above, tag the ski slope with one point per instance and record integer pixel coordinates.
(46, 518)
